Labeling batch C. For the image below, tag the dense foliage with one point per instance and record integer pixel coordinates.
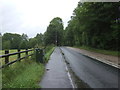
(94, 24)
(54, 32)
(16, 41)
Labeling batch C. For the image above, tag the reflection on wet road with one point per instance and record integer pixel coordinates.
(92, 72)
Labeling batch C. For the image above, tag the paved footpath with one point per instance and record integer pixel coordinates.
(56, 75)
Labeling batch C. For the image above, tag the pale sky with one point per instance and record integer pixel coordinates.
(33, 16)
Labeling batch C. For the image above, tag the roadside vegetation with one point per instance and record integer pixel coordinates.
(23, 74)
(49, 51)
(94, 25)
(89, 29)
(107, 52)
(27, 73)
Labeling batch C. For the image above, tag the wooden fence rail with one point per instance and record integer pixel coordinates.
(7, 54)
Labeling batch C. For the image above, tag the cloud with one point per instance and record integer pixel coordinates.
(33, 16)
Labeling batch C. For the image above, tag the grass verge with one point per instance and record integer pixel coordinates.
(25, 74)
(107, 52)
(49, 51)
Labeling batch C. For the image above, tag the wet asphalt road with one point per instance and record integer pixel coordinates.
(56, 74)
(92, 72)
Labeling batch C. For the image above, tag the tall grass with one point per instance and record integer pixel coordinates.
(24, 74)
(48, 52)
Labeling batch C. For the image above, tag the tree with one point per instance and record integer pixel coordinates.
(6, 45)
(23, 45)
(54, 32)
(24, 37)
(14, 40)
(39, 38)
(32, 42)
(94, 24)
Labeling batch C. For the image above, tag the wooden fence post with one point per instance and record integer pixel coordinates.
(26, 52)
(7, 57)
(18, 53)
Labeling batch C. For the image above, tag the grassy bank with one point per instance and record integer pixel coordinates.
(49, 50)
(24, 74)
(107, 52)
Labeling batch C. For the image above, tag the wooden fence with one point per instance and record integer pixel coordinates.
(7, 54)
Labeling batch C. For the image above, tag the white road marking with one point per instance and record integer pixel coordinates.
(69, 76)
(104, 61)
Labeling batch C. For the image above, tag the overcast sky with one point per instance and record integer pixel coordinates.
(33, 16)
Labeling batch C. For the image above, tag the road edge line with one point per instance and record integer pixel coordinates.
(68, 73)
(69, 76)
(103, 61)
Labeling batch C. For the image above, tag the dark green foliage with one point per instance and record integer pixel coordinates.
(32, 42)
(94, 24)
(54, 32)
(6, 45)
(16, 41)
(11, 41)
(37, 41)
(24, 43)
(39, 38)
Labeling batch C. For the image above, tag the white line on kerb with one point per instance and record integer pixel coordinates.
(69, 76)
(104, 61)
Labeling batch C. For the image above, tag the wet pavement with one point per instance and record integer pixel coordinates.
(108, 59)
(56, 74)
(96, 74)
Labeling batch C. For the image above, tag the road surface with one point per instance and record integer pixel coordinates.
(92, 72)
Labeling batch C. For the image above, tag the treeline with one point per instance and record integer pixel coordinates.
(94, 24)
(16, 41)
(53, 35)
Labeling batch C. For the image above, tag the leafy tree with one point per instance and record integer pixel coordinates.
(32, 42)
(54, 32)
(23, 45)
(14, 39)
(94, 24)
(25, 37)
(39, 38)
(6, 45)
